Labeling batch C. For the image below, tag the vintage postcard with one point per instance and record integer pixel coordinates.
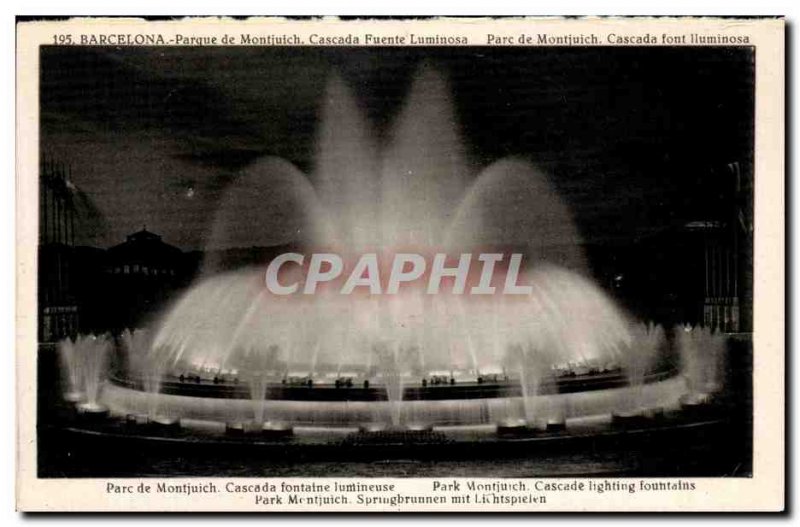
(478, 264)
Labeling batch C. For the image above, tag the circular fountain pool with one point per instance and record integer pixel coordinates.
(458, 404)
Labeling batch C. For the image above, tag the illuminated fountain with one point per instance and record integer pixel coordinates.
(230, 351)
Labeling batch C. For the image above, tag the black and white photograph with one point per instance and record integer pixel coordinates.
(359, 256)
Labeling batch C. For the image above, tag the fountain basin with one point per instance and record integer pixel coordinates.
(349, 413)
(373, 390)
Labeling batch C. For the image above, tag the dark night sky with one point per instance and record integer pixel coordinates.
(630, 136)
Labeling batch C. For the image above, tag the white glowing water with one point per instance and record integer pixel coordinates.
(703, 357)
(95, 366)
(261, 365)
(85, 366)
(70, 363)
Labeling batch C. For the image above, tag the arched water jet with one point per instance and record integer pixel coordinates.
(512, 204)
(268, 203)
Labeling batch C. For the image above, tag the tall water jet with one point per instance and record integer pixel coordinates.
(346, 163)
(261, 368)
(94, 365)
(145, 365)
(424, 168)
(268, 203)
(530, 367)
(702, 353)
(391, 373)
(70, 362)
(647, 341)
(136, 346)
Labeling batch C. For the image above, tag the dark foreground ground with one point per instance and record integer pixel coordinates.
(718, 443)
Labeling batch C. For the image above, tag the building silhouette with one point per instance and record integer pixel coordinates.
(142, 273)
(699, 272)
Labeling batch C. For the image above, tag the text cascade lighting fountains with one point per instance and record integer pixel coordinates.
(423, 293)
